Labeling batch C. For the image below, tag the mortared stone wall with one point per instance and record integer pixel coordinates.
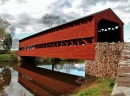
(107, 56)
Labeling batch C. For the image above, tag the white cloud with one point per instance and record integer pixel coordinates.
(26, 15)
(33, 9)
(31, 6)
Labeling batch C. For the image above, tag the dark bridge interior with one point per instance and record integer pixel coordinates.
(108, 31)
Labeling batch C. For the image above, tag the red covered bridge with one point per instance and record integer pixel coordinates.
(75, 39)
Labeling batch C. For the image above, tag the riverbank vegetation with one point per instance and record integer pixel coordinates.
(41, 60)
(99, 87)
(7, 58)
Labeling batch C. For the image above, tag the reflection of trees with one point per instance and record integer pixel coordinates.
(66, 68)
(5, 77)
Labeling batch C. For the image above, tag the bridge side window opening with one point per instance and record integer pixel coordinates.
(108, 31)
(65, 43)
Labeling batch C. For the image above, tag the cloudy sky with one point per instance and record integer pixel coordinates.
(26, 15)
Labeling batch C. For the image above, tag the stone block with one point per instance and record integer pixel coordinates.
(119, 94)
(123, 75)
(123, 69)
(123, 65)
(123, 84)
(123, 79)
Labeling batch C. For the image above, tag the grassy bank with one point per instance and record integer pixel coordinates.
(100, 87)
(7, 58)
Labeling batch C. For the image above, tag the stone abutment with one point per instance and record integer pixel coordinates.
(107, 56)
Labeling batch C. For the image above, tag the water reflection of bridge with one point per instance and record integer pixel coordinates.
(47, 82)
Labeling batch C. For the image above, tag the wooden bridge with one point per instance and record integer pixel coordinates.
(75, 39)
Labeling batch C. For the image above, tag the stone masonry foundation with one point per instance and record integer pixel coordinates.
(107, 56)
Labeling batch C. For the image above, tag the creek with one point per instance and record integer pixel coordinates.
(15, 82)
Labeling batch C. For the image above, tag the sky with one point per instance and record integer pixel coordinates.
(26, 15)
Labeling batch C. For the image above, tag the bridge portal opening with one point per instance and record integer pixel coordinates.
(108, 31)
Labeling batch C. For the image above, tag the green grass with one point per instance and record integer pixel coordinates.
(7, 58)
(100, 87)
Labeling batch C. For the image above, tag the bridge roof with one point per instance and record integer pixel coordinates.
(71, 22)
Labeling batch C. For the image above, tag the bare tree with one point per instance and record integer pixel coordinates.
(49, 20)
(15, 43)
(6, 32)
(2, 34)
(11, 30)
(4, 25)
(61, 21)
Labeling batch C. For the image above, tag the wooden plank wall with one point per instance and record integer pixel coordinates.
(72, 52)
(73, 31)
(83, 29)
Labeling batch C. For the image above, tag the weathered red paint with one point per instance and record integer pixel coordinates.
(111, 16)
(78, 29)
(80, 52)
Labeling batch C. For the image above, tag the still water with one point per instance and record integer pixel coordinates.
(25, 79)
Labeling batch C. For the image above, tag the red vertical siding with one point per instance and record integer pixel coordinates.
(73, 52)
(111, 16)
(85, 28)
(79, 31)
